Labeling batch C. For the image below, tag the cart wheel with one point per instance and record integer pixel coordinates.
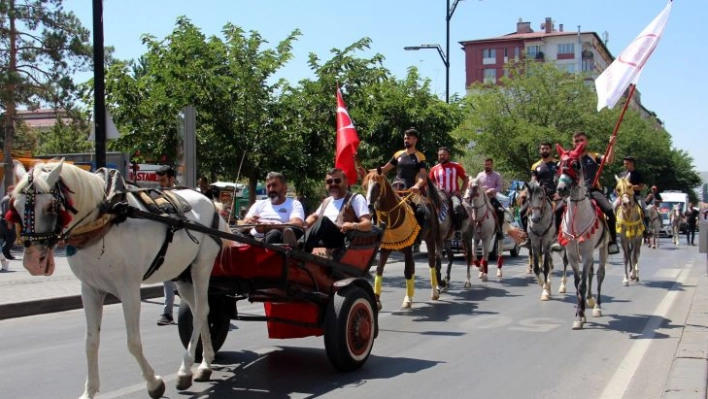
(349, 329)
(219, 322)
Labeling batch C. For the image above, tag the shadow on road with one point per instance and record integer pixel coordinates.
(305, 371)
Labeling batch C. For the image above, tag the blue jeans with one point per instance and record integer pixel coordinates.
(169, 287)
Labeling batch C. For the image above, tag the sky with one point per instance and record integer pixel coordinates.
(672, 84)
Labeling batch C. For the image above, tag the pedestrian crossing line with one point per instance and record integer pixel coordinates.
(622, 378)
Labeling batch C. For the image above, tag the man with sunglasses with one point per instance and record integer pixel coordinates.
(544, 173)
(591, 163)
(341, 212)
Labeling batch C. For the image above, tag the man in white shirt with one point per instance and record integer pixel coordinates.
(338, 214)
(270, 214)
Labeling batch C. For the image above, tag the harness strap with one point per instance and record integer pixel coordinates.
(160, 257)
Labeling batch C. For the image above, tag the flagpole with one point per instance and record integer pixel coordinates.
(614, 135)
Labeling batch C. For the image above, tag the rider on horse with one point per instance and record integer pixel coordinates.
(637, 180)
(591, 163)
(411, 173)
(446, 175)
(544, 173)
(491, 182)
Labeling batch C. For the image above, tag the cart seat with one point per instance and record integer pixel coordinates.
(248, 261)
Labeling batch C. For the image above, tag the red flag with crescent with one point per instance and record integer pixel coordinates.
(347, 142)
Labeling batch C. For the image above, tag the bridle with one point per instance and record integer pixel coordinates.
(60, 206)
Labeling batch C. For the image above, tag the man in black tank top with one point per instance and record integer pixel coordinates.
(544, 172)
(637, 181)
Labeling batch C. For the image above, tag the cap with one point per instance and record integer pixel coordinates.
(411, 132)
(630, 158)
(166, 170)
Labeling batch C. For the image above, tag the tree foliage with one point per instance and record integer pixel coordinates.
(538, 102)
(41, 46)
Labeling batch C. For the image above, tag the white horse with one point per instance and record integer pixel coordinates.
(115, 256)
(466, 232)
(675, 222)
(542, 233)
(654, 225)
(484, 220)
(583, 230)
(630, 227)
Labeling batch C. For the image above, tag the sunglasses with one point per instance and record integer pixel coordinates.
(579, 141)
(335, 181)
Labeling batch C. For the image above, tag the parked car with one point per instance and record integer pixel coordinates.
(508, 244)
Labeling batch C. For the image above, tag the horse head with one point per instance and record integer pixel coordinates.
(570, 169)
(42, 203)
(473, 191)
(375, 185)
(537, 201)
(625, 191)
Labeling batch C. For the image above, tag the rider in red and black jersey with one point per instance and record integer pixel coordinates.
(447, 176)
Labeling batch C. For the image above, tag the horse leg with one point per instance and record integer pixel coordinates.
(198, 294)
(582, 287)
(500, 258)
(546, 292)
(471, 255)
(131, 313)
(635, 262)
(536, 259)
(93, 310)
(597, 310)
(378, 280)
(564, 278)
(625, 257)
(409, 275)
(591, 275)
(433, 257)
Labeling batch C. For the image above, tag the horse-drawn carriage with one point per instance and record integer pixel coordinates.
(303, 295)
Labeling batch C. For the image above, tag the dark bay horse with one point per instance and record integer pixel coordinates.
(401, 232)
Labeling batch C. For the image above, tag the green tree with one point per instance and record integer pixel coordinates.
(66, 136)
(41, 46)
(539, 102)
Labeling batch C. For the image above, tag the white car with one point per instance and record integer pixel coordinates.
(508, 244)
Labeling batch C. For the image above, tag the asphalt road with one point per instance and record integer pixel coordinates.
(495, 340)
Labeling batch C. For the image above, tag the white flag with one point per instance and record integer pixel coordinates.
(614, 80)
(111, 130)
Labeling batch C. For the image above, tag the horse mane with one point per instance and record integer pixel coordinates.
(434, 193)
(85, 187)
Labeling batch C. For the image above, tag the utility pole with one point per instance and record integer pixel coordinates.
(99, 85)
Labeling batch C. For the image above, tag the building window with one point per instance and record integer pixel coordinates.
(566, 48)
(588, 65)
(490, 76)
(517, 52)
(533, 51)
(489, 56)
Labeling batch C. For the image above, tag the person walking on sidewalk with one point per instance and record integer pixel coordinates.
(7, 230)
(691, 215)
(166, 177)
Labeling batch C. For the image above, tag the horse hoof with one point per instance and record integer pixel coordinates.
(183, 382)
(529, 271)
(435, 296)
(596, 312)
(159, 391)
(545, 297)
(591, 302)
(485, 278)
(577, 325)
(499, 273)
(481, 275)
(625, 282)
(407, 303)
(202, 375)
(468, 284)
(561, 290)
(378, 304)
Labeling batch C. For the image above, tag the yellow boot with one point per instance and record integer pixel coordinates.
(410, 290)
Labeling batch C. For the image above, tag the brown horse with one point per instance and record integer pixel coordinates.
(401, 231)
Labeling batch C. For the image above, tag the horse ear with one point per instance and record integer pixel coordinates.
(379, 171)
(580, 148)
(617, 178)
(53, 177)
(559, 150)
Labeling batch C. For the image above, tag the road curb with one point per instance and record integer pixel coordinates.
(61, 304)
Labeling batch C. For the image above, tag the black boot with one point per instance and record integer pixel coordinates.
(500, 224)
(612, 248)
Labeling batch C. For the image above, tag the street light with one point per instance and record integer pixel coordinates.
(443, 54)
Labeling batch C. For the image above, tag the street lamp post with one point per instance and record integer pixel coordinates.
(446, 53)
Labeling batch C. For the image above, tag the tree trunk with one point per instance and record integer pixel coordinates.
(11, 111)
(252, 186)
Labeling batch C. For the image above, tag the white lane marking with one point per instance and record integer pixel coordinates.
(620, 381)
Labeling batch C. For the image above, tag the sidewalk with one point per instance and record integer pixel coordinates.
(22, 294)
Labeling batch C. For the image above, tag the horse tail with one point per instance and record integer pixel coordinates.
(434, 194)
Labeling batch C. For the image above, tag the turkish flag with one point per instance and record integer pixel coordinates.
(347, 142)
